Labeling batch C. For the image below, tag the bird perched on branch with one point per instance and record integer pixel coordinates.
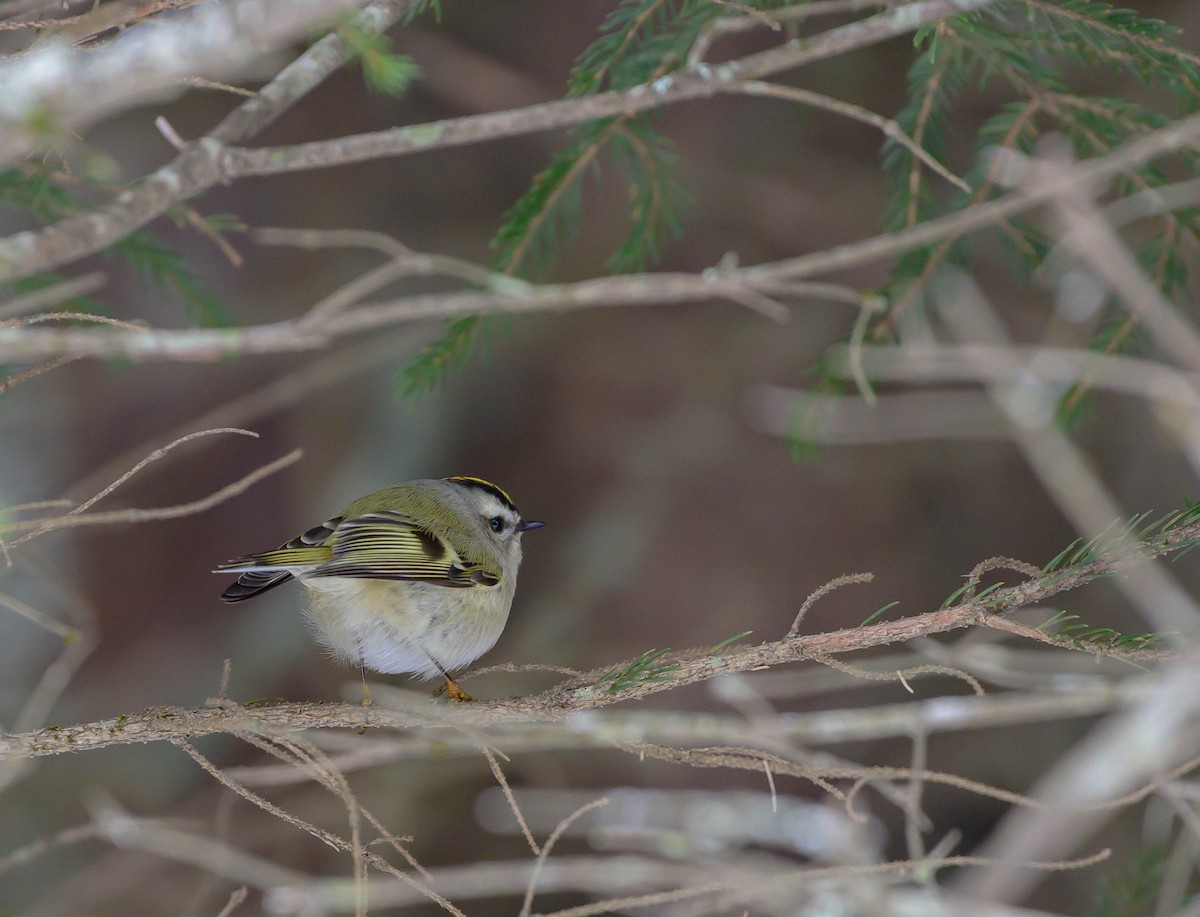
(416, 577)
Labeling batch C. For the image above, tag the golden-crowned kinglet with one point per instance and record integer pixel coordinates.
(416, 577)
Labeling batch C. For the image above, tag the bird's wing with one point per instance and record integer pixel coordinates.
(273, 568)
(393, 546)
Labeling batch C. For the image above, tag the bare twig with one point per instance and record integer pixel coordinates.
(1144, 741)
(888, 126)
(527, 904)
(43, 845)
(902, 675)
(512, 802)
(169, 133)
(45, 317)
(214, 856)
(746, 891)
(281, 337)
(64, 632)
(590, 874)
(835, 583)
(337, 843)
(53, 294)
(154, 457)
(772, 19)
(236, 899)
(37, 527)
(915, 820)
(200, 83)
(12, 8)
(264, 399)
(1093, 241)
(34, 371)
(309, 760)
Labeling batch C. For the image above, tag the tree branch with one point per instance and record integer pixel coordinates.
(508, 295)
(210, 160)
(592, 690)
(69, 90)
(33, 251)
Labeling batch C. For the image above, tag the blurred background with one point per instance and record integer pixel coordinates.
(672, 520)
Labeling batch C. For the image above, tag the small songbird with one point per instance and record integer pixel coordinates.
(416, 577)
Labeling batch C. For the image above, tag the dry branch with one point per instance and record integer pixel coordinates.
(589, 691)
(862, 724)
(36, 527)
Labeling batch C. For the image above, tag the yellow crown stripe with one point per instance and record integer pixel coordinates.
(468, 481)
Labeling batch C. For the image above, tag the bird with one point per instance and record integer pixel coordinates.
(414, 578)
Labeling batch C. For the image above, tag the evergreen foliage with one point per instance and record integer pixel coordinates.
(1035, 49)
(47, 195)
(384, 71)
(640, 41)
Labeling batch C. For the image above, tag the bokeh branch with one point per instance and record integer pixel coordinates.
(212, 159)
(37, 250)
(70, 89)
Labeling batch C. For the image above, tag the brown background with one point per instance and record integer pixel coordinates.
(670, 523)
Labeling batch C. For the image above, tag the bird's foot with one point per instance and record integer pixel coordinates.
(367, 703)
(454, 692)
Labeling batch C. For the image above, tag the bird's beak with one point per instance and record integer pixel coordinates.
(526, 524)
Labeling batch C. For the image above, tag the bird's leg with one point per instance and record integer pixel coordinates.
(453, 691)
(366, 688)
(366, 699)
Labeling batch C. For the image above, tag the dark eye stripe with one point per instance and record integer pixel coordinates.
(486, 486)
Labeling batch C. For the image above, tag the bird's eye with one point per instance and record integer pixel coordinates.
(497, 523)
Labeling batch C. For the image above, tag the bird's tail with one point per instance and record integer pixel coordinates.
(261, 572)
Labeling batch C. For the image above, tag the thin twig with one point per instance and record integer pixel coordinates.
(152, 458)
(838, 726)
(544, 853)
(858, 113)
(236, 899)
(55, 293)
(34, 371)
(512, 801)
(914, 816)
(328, 837)
(123, 516)
(835, 583)
(731, 24)
(807, 877)
(64, 632)
(45, 317)
(73, 91)
(903, 674)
